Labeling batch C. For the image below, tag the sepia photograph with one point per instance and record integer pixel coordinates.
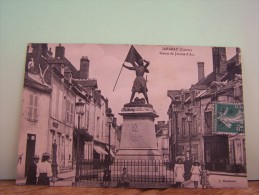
(132, 116)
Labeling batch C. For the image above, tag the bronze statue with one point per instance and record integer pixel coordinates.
(139, 84)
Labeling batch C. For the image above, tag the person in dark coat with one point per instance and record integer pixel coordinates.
(187, 167)
(31, 176)
(106, 177)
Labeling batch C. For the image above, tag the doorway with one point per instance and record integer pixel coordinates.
(216, 152)
(30, 151)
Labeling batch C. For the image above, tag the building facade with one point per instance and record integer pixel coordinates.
(34, 122)
(49, 121)
(206, 120)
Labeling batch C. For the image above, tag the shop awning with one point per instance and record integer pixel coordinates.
(99, 150)
(111, 152)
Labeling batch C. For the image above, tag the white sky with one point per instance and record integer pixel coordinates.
(166, 72)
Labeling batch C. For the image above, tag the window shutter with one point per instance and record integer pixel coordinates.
(71, 114)
(67, 111)
(30, 113)
(35, 116)
(30, 106)
(53, 101)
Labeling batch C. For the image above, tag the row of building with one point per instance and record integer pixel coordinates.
(206, 121)
(52, 87)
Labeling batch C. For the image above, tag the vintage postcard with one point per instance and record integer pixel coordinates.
(132, 116)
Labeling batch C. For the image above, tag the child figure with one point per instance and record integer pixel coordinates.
(179, 173)
(196, 169)
(124, 180)
(106, 177)
(204, 177)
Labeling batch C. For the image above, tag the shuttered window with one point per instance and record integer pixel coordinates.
(67, 111)
(33, 107)
(71, 113)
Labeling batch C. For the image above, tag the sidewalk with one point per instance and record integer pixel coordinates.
(222, 180)
(227, 174)
(67, 175)
(64, 179)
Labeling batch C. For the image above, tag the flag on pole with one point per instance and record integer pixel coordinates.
(133, 55)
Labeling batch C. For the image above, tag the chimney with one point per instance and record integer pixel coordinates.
(44, 49)
(84, 67)
(200, 71)
(219, 61)
(60, 51)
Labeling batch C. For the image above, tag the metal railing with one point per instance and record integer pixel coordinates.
(139, 171)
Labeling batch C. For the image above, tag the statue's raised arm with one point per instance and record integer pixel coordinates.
(128, 67)
(147, 64)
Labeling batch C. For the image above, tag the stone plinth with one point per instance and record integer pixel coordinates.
(138, 138)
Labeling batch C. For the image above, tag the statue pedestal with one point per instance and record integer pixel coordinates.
(138, 138)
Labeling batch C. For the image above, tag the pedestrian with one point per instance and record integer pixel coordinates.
(179, 172)
(187, 168)
(124, 180)
(106, 177)
(44, 171)
(31, 174)
(195, 171)
(204, 177)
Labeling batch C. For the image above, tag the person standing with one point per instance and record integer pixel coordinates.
(106, 177)
(179, 172)
(187, 168)
(196, 170)
(204, 177)
(31, 175)
(139, 84)
(44, 171)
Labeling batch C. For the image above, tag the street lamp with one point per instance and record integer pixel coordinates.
(54, 163)
(110, 121)
(189, 120)
(79, 111)
(175, 108)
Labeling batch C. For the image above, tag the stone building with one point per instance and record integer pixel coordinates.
(49, 122)
(34, 122)
(95, 119)
(206, 120)
(51, 71)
